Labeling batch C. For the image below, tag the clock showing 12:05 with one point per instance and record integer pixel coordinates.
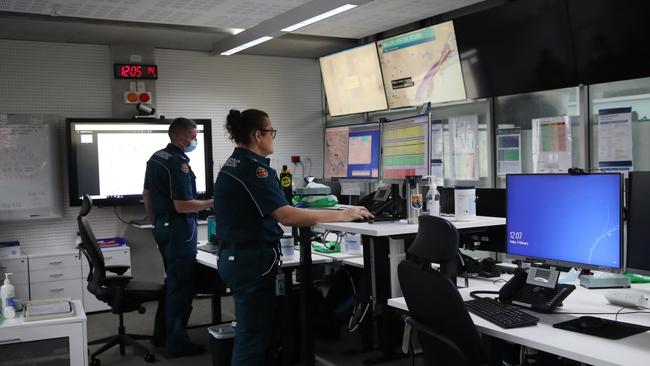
(135, 71)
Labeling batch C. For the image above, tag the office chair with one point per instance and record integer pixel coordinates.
(118, 291)
(437, 312)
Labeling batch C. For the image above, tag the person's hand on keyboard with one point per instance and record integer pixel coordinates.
(357, 213)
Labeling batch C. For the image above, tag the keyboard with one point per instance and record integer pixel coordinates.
(503, 315)
(207, 248)
(377, 219)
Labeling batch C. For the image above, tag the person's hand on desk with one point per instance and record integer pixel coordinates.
(356, 213)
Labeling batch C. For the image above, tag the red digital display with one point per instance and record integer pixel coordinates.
(132, 71)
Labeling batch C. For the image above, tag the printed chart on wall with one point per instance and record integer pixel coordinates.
(551, 145)
(615, 145)
(508, 151)
(27, 168)
(437, 153)
(422, 66)
(463, 145)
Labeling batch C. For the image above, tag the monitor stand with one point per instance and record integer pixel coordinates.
(599, 327)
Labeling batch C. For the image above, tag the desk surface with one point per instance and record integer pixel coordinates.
(355, 262)
(634, 350)
(18, 322)
(398, 228)
(338, 256)
(210, 260)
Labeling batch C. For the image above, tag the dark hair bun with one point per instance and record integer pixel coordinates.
(234, 116)
(240, 125)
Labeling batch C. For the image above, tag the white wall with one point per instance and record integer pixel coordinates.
(74, 80)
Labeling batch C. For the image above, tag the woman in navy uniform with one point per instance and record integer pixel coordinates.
(248, 204)
(170, 198)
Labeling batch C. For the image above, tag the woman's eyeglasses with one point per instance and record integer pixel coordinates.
(273, 132)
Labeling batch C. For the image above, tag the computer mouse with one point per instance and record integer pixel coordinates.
(590, 322)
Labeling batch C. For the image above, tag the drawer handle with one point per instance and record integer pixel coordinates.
(56, 289)
(56, 262)
(9, 340)
(108, 258)
(56, 275)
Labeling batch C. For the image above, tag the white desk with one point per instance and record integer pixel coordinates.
(354, 262)
(15, 331)
(338, 257)
(630, 351)
(210, 260)
(397, 228)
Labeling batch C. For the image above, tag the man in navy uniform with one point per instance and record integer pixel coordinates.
(170, 199)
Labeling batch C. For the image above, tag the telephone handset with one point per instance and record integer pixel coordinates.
(382, 202)
(536, 289)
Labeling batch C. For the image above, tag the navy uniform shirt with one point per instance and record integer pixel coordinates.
(246, 191)
(168, 178)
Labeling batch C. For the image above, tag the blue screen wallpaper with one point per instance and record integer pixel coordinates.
(574, 219)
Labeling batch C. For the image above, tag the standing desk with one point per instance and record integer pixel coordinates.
(376, 256)
(629, 351)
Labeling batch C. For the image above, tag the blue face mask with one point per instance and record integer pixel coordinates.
(190, 147)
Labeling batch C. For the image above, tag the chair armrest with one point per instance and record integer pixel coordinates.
(117, 269)
(119, 281)
(437, 336)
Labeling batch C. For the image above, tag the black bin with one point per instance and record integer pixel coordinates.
(222, 340)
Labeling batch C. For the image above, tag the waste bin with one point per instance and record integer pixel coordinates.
(222, 340)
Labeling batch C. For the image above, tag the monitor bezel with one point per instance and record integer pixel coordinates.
(561, 263)
(381, 146)
(73, 172)
(630, 205)
(348, 126)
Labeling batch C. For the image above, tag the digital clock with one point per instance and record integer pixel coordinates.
(134, 71)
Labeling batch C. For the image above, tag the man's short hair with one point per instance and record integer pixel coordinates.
(180, 125)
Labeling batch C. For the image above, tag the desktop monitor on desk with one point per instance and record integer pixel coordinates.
(566, 220)
(638, 223)
(405, 147)
(352, 151)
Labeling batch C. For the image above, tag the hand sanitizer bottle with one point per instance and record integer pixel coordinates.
(7, 295)
(433, 198)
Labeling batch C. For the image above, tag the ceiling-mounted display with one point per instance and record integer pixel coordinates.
(422, 66)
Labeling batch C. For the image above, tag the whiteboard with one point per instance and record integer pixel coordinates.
(30, 169)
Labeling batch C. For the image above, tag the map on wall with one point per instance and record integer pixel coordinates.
(422, 66)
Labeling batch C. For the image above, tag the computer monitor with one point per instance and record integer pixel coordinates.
(405, 147)
(566, 220)
(422, 66)
(638, 223)
(353, 82)
(107, 157)
(352, 151)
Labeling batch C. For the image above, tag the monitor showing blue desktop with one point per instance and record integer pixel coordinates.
(566, 220)
(352, 151)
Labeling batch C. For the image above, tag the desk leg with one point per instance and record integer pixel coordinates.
(288, 326)
(306, 337)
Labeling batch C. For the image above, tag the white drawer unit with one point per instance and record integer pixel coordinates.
(112, 257)
(20, 278)
(55, 275)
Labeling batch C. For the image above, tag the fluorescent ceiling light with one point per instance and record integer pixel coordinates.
(246, 45)
(318, 18)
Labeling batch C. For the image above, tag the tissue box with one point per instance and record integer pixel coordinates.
(9, 248)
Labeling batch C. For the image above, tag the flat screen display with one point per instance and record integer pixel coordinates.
(422, 66)
(566, 220)
(353, 82)
(519, 47)
(638, 223)
(405, 147)
(352, 151)
(107, 158)
(610, 39)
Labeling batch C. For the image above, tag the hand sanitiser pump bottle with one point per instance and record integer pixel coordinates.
(7, 295)
(432, 199)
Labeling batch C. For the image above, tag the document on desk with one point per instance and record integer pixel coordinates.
(48, 309)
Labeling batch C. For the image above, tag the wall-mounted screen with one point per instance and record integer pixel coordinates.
(405, 147)
(422, 66)
(353, 82)
(352, 151)
(107, 158)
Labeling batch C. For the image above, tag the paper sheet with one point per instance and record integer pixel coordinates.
(508, 151)
(615, 144)
(463, 144)
(551, 145)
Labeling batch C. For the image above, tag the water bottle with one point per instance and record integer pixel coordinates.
(352, 243)
(286, 182)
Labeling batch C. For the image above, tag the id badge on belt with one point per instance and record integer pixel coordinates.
(280, 289)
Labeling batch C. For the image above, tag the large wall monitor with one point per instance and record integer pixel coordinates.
(353, 82)
(638, 223)
(422, 66)
(107, 157)
(566, 220)
(352, 151)
(405, 147)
